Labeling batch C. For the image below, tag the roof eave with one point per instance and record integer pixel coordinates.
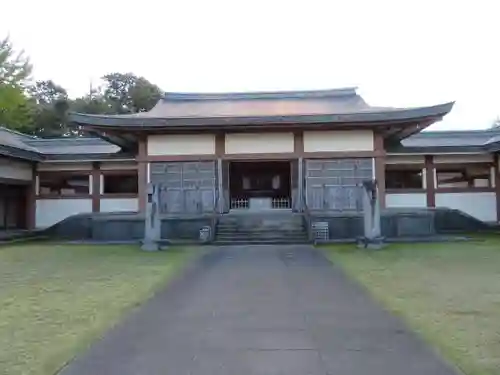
(493, 147)
(19, 153)
(89, 157)
(367, 118)
(436, 149)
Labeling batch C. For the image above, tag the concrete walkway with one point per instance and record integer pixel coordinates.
(262, 310)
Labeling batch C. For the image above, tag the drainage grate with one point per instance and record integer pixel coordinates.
(320, 231)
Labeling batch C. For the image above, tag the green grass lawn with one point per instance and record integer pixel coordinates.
(56, 299)
(448, 292)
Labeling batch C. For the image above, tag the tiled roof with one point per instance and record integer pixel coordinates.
(14, 139)
(262, 108)
(72, 145)
(452, 138)
(24, 146)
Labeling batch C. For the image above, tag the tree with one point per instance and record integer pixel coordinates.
(15, 111)
(15, 71)
(50, 105)
(496, 123)
(127, 93)
(15, 68)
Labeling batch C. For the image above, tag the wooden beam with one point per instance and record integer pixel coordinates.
(96, 187)
(30, 204)
(496, 165)
(379, 165)
(298, 142)
(220, 144)
(431, 184)
(142, 172)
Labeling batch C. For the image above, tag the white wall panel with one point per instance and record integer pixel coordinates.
(51, 211)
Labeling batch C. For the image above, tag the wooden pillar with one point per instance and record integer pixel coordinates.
(430, 181)
(379, 162)
(497, 183)
(142, 172)
(298, 149)
(96, 187)
(300, 187)
(220, 150)
(30, 205)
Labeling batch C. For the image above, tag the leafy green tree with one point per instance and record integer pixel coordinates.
(50, 106)
(93, 103)
(15, 68)
(128, 93)
(15, 71)
(15, 111)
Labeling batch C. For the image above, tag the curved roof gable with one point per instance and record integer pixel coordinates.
(225, 109)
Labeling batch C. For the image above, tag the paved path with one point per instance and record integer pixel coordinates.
(262, 310)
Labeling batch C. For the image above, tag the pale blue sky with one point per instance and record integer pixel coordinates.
(396, 53)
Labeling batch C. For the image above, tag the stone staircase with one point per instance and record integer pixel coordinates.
(261, 228)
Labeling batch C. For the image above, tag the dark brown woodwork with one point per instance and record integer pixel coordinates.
(220, 144)
(497, 183)
(431, 183)
(268, 156)
(465, 190)
(298, 142)
(142, 172)
(31, 200)
(72, 196)
(96, 187)
(119, 195)
(380, 177)
(404, 191)
(119, 172)
(379, 156)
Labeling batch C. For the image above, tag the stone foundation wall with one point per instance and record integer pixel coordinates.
(395, 224)
(128, 227)
(399, 223)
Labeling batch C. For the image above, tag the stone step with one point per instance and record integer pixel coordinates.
(258, 242)
(261, 235)
(281, 228)
(259, 230)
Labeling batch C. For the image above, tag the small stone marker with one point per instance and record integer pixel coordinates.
(152, 222)
(372, 238)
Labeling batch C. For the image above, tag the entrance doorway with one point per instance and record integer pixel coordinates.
(260, 185)
(13, 206)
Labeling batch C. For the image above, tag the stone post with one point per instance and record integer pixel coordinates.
(152, 222)
(372, 236)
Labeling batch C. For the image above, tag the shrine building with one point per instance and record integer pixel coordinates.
(216, 154)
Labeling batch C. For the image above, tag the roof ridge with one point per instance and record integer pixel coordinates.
(254, 95)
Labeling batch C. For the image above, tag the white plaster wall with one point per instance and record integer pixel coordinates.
(64, 166)
(259, 143)
(181, 144)
(15, 170)
(338, 140)
(413, 200)
(119, 204)
(116, 165)
(482, 206)
(51, 211)
(405, 159)
(458, 159)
